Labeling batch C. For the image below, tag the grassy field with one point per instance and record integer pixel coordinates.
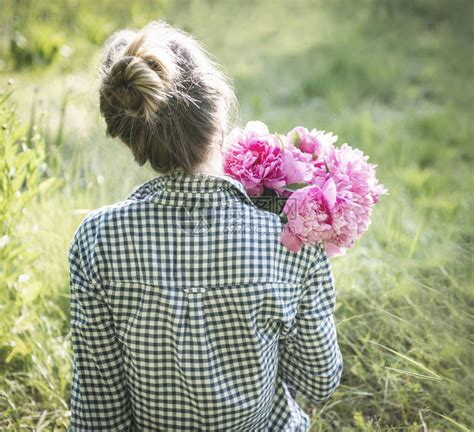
(392, 78)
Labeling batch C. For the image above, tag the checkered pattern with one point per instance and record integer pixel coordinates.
(187, 314)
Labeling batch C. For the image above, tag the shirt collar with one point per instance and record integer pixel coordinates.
(176, 186)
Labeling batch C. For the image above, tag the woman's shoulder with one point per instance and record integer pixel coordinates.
(266, 227)
(98, 219)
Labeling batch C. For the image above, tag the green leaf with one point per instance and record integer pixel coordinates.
(267, 192)
(295, 186)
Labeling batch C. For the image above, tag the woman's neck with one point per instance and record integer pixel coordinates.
(213, 165)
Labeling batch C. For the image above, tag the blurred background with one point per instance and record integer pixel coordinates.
(393, 78)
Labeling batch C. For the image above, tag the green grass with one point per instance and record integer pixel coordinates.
(392, 78)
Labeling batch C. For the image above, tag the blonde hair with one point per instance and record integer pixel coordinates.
(164, 97)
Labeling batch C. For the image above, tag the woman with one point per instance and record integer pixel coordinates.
(187, 313)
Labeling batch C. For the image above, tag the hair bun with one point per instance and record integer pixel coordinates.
(163, 75)
(138, 83)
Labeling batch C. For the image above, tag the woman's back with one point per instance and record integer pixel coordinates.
(185, 313)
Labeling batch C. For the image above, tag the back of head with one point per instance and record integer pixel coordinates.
(163, 96)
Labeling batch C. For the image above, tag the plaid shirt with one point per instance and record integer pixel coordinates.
(188, 314)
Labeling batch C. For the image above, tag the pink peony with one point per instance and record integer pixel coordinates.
(335, 207)
(354, 190)
(298, 167)
(309, 214)
(255, 158)
(354, 176)
(358, 190)
(316, 143)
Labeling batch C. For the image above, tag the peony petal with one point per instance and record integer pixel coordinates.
(256, 128)
(329, 191)
(290, 241)
(333, 251)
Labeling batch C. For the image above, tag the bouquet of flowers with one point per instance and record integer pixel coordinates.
(328, 192)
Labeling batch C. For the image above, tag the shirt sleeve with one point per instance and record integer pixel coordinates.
(310, 359)
(99, 399)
